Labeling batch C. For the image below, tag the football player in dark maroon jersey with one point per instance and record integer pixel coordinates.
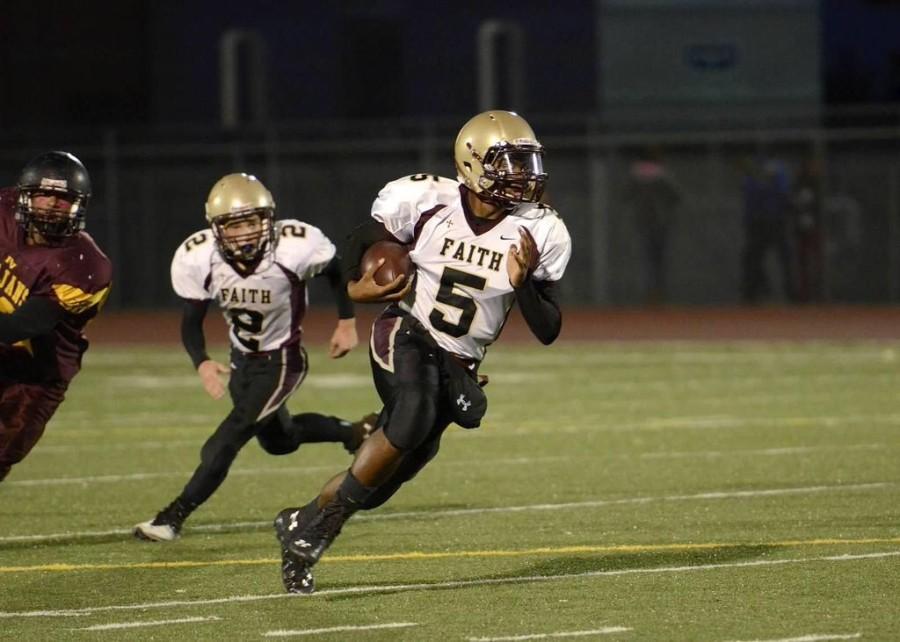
(53, 280)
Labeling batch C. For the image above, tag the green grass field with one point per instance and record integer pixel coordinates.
(645, 491)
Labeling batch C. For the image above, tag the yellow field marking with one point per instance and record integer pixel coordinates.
(560, 550)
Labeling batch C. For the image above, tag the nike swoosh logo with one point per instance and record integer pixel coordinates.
(508, 238)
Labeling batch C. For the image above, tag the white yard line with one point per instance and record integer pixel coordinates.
(134, 625)
(425, 586)
(704, 423)
(796, 450)
(136, 445)
(338, 629)
(815, 637)
(710, 495)
(113, 479)
(560, 634)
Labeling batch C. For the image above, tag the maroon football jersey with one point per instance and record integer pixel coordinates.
(75, 275)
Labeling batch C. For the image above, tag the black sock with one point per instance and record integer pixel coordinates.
(314, 428)
(351, 494)
(308, 512)
(179, 509)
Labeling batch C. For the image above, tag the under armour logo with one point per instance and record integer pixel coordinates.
(302, 543)
(463, 403)
(293, 523)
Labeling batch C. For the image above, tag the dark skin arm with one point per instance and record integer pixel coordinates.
(362, 288)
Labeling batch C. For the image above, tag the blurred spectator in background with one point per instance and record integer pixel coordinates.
(654, 196)
(767, 206)
(807, 231)
(843, 218)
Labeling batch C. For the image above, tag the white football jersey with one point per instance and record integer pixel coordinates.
(462, 292)
(263, 309)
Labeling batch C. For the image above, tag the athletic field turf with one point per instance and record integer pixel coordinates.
(637, 491)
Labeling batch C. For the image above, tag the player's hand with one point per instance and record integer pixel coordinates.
(209, 372)
(522, 259)
(344, 338)
(366, 290)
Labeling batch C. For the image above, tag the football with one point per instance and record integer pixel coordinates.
(396, 261)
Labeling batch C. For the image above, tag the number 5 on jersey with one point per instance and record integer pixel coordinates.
(450, 278)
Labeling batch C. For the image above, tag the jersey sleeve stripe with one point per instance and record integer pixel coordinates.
(76, 300)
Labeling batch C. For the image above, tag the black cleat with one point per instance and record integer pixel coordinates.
(361, 430)
(295, 573)
(308, 542)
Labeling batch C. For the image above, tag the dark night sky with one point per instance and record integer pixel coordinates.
(142, 62)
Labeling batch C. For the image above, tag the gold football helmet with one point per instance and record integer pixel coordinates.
(241, 213)
(499, 158)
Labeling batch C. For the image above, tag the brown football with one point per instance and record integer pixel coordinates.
(396, 261)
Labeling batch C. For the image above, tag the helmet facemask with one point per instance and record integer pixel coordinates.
(245, 237)
(54, 224)
(513, 173)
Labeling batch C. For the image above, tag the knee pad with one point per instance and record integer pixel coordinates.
(411, 418)
(282, 445)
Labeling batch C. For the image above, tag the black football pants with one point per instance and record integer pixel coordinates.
(260, 385)
(407, 377)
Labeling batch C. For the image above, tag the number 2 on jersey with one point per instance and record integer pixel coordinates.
(466, 304)
(249, 322)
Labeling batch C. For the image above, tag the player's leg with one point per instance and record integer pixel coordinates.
(25, 410)
(283, 434)
(257, 384)
(408, 380)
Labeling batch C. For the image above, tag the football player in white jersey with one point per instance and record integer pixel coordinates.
(479, 244)
(256, 270)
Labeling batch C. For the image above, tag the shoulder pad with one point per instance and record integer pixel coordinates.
(422, 190)
(191, 265)
(400, 203)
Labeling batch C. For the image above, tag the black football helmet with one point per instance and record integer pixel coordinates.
(53, 173)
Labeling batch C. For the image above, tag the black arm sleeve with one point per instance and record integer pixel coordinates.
(358, 241)
(37, 316)
(192, 314)
(537, 300)
(335, 278)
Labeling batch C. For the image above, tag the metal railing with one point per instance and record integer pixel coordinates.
(150, 188)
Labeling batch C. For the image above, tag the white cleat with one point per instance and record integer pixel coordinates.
(155, 532)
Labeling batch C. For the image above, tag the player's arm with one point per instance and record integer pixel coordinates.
(362, 287)
(536, 299)
(344, 338)
(193, 312)
(360, 240)
(37, 316)
(540, 307)
(335, 275)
